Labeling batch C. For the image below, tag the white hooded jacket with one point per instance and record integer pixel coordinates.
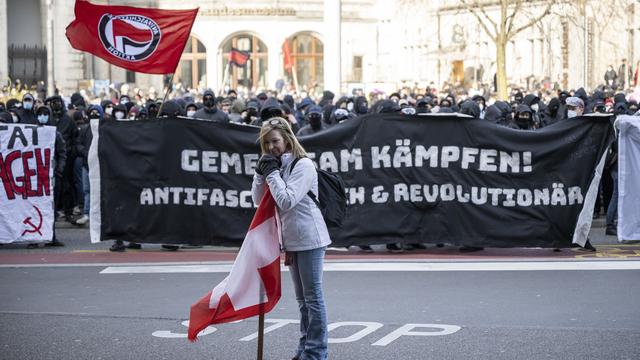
(302, 224)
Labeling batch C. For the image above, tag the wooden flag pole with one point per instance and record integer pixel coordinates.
(225, 76)
(261, 323)
(295, 79)
(166, 93)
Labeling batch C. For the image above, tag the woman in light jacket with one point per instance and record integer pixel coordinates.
(304, 232)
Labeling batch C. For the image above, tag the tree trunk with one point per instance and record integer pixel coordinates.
(501, 68)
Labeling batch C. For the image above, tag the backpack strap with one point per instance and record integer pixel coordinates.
(310, 193)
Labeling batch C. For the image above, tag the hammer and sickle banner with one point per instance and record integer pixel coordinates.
(409, 178)
(138, 39)
(26, 172)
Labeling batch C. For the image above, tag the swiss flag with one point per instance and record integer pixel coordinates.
(253, 285)
(137, 39)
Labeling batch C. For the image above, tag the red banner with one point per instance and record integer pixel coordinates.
(137, 39)
(288, 62)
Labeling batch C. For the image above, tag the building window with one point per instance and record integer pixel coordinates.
(251, 76)
(307, 55)
(192, 70)
(357, 69)
(130, 77)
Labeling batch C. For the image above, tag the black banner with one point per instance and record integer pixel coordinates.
(430, 179)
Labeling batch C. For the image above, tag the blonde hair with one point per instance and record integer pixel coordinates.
(283, 127)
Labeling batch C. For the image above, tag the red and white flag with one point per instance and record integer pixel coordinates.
(253, 285)
(138, 39)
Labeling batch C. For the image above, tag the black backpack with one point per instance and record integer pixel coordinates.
(333, 201)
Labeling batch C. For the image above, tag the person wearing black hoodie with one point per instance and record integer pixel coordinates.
(83, 143)
(69, 131)
(27, 112)
(360, 105)
(270, 108)
(523, 119)
(551, 114)
(44, 116)
(315, 124)
(210, 111)
(470, 108)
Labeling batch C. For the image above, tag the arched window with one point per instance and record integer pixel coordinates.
(307, 55)
(254, 73)
(192, 70)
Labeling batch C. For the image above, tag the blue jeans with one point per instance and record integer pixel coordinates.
(85, 190)
(612, 210)
(306, 273)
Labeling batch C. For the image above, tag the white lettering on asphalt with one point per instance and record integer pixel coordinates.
(171, 335)
(278, 323)
(405, 330)
(369, 328)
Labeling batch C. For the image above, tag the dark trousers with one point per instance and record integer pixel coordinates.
(64, 191)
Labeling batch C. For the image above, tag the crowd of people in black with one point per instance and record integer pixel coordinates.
(306, 116)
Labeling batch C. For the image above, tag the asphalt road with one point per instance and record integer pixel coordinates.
(78, 313)
(53, 306)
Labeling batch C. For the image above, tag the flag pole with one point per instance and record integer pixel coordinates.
(295, 79)
(166, 93)
(225, 76)
(261, 323)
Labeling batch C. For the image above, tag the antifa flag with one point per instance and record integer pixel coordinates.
(431, 179)
(238, 57)
(137, 39)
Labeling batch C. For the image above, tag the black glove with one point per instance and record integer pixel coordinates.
(267, 164)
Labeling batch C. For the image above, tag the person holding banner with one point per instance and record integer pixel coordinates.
(290, 176)
(44, 117)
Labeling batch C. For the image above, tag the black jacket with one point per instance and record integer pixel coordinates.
(83, 143)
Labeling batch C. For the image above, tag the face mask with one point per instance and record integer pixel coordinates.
(481, 106)
(350, 106)
(27, 105)
(132, 117)
(191, 113)
(208, 102)
(119, 115)
(14, 118)
(363, 108)
(571, 114)
(108, 110)
(43, 119)
(534, 107)
(124, 101)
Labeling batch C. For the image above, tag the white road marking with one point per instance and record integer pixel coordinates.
(398, 267)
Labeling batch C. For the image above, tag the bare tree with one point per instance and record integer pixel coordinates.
(503, 28)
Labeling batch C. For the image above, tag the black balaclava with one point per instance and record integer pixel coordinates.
(315, 119)
(554, 106)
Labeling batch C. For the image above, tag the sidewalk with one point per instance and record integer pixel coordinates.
(78, 250)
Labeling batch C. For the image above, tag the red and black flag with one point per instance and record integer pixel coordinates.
(137, 39)
(238, 57)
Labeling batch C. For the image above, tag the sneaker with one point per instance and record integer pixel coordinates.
(55, 243)
(365, 248)
(394, 248)
(117, 247)
(83, 220)
(587, 247)
(77, 211)
(171, 247)
(135, 246)
(611, 230)
(60, 215)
